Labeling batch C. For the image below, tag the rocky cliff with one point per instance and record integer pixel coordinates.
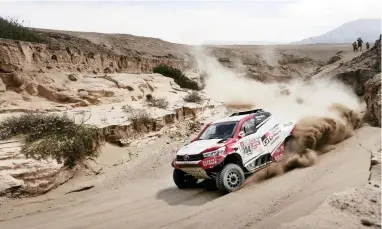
(32, 57)
(373, 100)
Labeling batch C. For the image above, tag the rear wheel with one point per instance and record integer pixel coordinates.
(230, 179)
(183, 180)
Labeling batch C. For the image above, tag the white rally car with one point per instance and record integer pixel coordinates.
(229, 149)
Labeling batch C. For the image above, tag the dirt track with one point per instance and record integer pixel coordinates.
(151, 200)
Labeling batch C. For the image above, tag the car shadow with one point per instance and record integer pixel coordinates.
(202, 193)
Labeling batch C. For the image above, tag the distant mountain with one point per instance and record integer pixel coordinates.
(367, 29)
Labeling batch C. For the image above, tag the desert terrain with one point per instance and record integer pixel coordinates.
(103, 79)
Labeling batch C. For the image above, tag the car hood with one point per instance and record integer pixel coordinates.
(197, 147)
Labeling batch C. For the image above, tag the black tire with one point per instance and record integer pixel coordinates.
(230, 179)
(183, 180)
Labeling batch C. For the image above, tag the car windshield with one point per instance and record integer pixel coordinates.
(222, 130)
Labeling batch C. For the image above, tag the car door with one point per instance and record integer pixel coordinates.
(265, 130)
(271, 135)
(250, 145)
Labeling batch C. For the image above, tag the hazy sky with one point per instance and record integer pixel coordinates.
(196, 21)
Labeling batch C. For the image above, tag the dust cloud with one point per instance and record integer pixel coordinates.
(326, 111)
(294, 100)
(269, 54)
(313, 136)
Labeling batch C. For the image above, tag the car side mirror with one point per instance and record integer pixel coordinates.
(241, 134)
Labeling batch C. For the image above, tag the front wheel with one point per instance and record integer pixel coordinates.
(183, 180)
(230, 179)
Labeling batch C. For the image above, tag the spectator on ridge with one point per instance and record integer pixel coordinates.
(367, 45)
(355, 48)
(360, 41)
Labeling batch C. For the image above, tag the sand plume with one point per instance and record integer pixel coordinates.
(312, 137)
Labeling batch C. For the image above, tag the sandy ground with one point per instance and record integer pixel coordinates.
(147, 198)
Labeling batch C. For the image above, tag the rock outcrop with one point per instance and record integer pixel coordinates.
(356, 79)
(335, 58)
(124, 133)
(373, 100)
(20, 176)
(58, 91)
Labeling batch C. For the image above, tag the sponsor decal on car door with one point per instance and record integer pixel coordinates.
(272, 138)
(250, 147)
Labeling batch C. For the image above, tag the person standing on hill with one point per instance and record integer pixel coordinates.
(367, 45)
(359, 43)
(355, 48)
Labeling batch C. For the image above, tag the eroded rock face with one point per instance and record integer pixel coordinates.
(356, 79)
(373, 100)
(11, 79)
(8, 67)
(24, 56)
(20, 176)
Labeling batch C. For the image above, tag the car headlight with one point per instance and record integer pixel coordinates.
(214, 153)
